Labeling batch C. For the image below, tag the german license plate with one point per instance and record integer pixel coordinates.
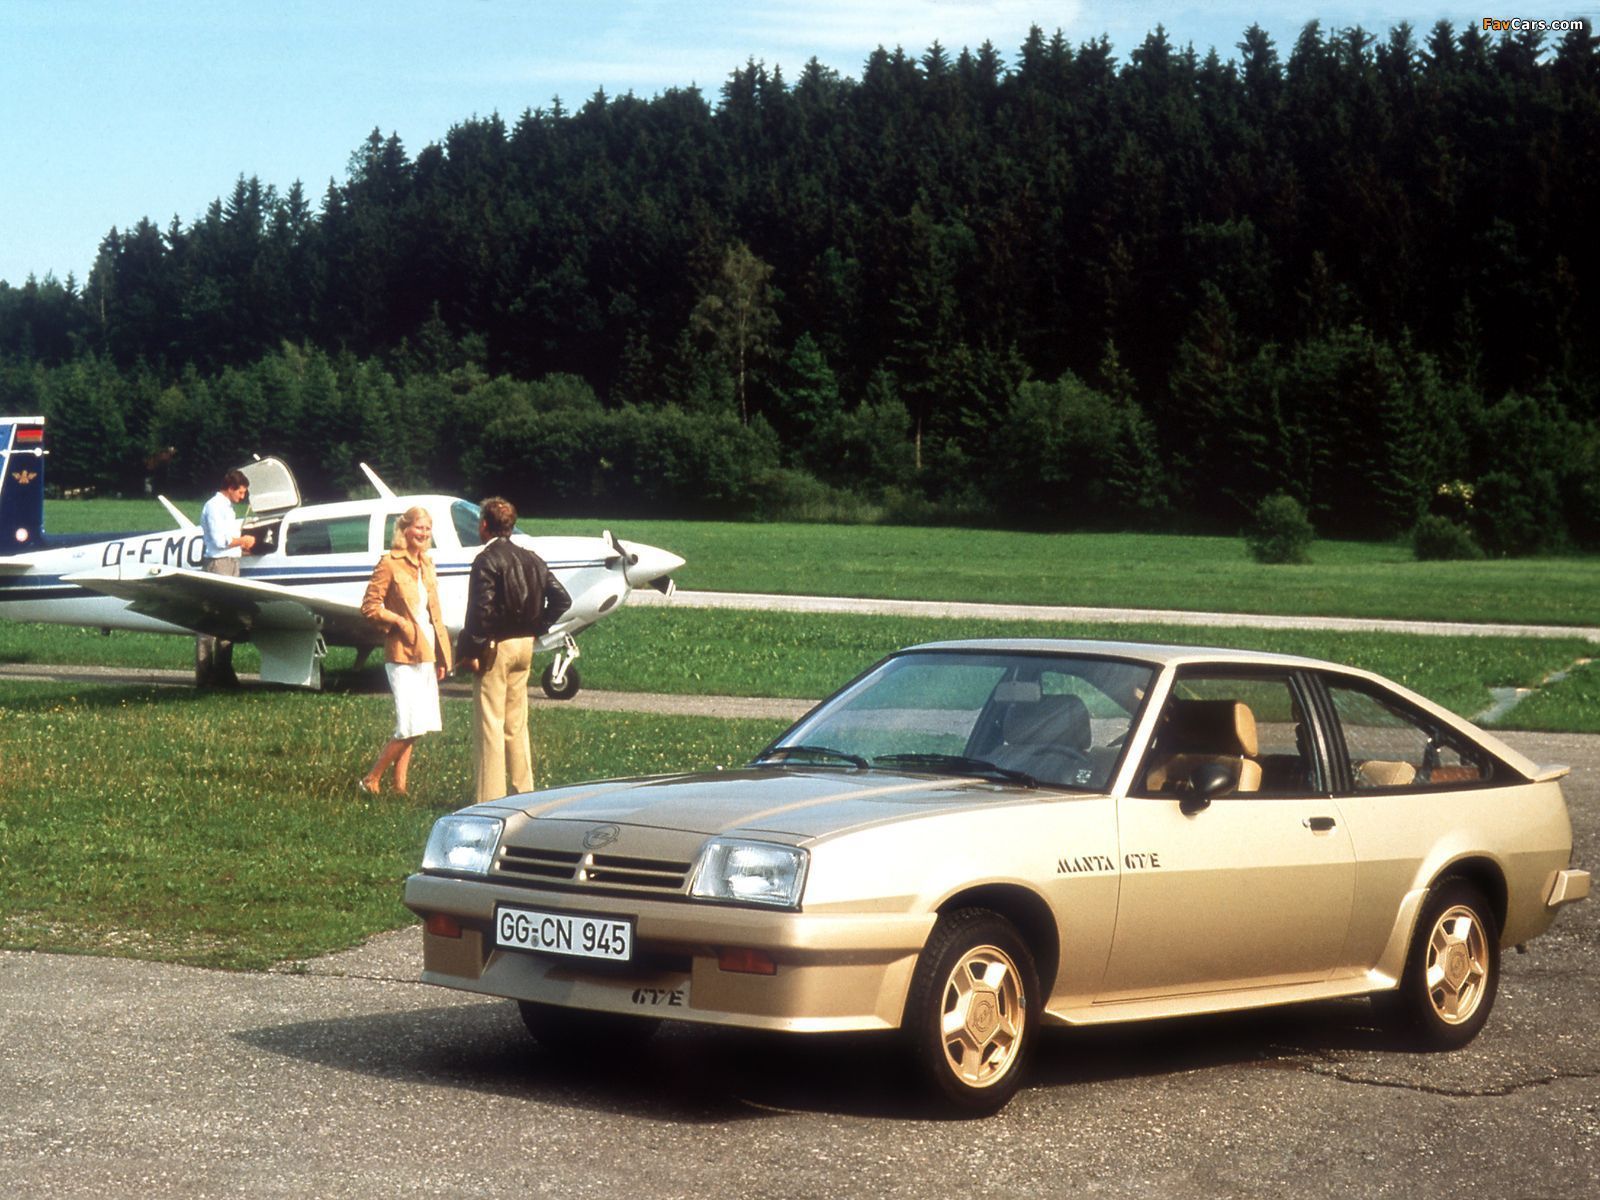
(569, 934)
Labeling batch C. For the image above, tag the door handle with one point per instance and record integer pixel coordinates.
(1318, 824)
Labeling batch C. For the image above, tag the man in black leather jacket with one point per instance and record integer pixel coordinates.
(512, 598)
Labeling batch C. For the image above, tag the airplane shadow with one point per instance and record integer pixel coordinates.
(699, 1074)
(113, 695)
(348, 681)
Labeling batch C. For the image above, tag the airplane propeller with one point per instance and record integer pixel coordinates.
(622, 555)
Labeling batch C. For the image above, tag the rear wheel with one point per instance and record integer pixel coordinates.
(576, 1034)
(970, 1014)
(1452, 973)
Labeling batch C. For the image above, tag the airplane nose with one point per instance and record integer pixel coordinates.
(646, 564)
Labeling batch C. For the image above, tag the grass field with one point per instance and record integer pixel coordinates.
(683, 651)
(225, 829)
(1361, 579)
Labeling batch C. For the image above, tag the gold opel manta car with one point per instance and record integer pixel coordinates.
(974, 839)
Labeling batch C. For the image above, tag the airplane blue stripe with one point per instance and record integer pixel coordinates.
(455, 568)
(289, 576)
(51, 587)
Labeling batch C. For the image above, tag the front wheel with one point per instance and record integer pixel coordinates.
(570, 682)
(971, 1012)
(1452, 971)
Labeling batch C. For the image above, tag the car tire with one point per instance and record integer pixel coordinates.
(570, 683)
(1452, 971)
(574, 1034)
(971, 1013)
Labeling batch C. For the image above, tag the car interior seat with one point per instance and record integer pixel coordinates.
(1384, 773)
(1046, 738)
(1197, 733)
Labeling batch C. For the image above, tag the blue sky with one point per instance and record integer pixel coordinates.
(112, 110)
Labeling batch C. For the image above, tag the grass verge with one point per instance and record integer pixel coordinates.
(807, 655)
(225, 830)
(1567, 705)
(688, 651)
(1361, 579)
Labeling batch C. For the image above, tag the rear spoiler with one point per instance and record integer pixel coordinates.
(1549, 774)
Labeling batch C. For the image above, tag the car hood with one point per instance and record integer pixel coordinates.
(798, 802)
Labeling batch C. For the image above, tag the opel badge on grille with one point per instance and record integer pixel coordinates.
(601, 835)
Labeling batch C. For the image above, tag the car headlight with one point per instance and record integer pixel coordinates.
(750, 873)
(463, 843)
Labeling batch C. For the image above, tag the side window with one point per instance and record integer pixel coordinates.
(464, 517)
(335, 535)
(1392, 747)
(389, 522)
(1251, 724)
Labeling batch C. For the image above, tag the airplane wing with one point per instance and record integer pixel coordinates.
(227, 606)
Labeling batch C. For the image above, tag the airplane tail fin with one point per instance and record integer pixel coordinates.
(22, 455)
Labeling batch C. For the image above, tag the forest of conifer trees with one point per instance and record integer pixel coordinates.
(1059, 288)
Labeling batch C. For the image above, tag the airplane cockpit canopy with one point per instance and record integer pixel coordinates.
(272, 486)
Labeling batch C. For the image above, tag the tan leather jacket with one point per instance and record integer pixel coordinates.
(392, 600)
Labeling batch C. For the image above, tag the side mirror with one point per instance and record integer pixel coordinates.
(1207, 782)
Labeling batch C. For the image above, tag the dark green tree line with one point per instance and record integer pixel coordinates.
(1169, 286)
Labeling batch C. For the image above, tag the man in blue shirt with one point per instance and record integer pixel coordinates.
(225, 544)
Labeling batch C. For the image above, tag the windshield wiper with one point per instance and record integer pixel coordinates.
(855, 760)
(960, 764)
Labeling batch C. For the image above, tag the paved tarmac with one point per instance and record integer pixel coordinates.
(1115, 616)
(345, 1078)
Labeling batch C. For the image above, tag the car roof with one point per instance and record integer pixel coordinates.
(1160, 655)
(1154, 653)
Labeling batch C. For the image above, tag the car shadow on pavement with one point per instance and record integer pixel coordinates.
(698, 1074)
(686, 1073)
(1283, 1037)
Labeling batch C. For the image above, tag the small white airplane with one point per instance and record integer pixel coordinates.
(300, 588)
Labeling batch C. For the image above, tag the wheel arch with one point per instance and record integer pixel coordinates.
(1485, 875)
(1025, 909)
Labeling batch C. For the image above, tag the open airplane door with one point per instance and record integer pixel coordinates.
(273, 492)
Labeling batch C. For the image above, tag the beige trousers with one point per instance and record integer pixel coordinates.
(500, 733)
(213, 657)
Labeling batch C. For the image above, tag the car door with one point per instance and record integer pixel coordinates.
(1250, 886)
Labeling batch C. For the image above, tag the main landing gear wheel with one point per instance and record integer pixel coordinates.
(569, 684)
(971, 1011)
(1452, 970)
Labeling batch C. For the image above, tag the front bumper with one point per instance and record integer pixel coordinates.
(835, 972)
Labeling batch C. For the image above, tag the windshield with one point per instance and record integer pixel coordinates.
(1055, 720)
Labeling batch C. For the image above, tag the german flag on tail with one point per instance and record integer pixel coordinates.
(22, 456)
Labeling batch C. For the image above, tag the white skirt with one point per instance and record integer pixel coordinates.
(416, 698)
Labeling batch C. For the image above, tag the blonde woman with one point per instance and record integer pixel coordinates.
(403, 599)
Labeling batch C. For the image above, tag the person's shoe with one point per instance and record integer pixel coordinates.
(366, 785)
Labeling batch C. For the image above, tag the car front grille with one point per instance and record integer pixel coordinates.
(537, 867)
